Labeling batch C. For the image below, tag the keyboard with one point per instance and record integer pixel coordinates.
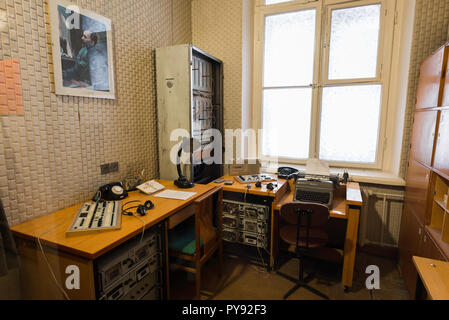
(312, 196)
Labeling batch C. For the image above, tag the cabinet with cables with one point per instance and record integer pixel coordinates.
(190, 105)
(247, 224)
(133, 270)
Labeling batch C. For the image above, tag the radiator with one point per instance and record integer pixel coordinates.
(381, 219)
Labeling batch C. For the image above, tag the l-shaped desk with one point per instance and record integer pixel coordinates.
(82, 251)
(347, 205)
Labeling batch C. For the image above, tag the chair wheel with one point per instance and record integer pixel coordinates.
(346, 289)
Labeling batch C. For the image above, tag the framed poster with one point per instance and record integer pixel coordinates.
(82, 51)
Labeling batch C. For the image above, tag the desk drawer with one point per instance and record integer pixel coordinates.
(181, 216)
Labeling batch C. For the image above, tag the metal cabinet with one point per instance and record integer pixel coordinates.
(190, 105)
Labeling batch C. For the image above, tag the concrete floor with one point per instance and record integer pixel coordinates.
(243, 280)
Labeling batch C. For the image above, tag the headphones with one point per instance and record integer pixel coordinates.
(141, 209)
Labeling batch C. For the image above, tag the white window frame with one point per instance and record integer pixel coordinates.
(323, 9)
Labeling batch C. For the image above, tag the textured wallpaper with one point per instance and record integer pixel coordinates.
(50, 156)
(430, 32)
(217, 29)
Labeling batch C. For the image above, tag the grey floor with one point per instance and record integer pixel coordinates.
(243, 280)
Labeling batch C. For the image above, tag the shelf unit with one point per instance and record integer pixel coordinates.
(439, 214)
(425, 221)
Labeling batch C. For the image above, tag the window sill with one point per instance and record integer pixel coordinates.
(357, 175)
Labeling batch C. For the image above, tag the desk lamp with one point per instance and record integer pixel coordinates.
(182, 181)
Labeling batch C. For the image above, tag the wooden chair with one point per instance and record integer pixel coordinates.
(195, 240)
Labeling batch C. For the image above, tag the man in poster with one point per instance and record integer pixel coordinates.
(80, 71)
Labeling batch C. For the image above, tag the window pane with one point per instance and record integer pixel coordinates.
(354, 42)
(268, 2)
(350, 123)
(286, 122)
(289, 49)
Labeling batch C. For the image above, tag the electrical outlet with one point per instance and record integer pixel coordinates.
(105, 168)
(113, 167)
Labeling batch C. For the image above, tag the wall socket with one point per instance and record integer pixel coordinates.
(109, 168)
(113, 167)
(104, 168)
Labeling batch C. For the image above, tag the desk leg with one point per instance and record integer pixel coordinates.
(274, 245)
(350, 245)
(167, 262)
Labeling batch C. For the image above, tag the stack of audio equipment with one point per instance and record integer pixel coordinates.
(134, 270)
(245, 223)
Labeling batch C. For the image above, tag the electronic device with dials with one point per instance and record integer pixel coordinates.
(245, 223)
(255, 178)
(95, 216)
(133, 270)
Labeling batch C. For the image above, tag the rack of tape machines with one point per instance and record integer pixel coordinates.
(134, 270)
(246, 221)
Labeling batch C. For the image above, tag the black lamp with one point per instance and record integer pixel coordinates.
(182, 181)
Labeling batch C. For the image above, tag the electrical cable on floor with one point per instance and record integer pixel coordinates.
(263, 269)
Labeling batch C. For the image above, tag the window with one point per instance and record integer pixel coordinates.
(321, 79)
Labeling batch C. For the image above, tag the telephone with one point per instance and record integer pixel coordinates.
(287, 173)
(111, 192)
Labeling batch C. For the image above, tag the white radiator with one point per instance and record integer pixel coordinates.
(381, 219)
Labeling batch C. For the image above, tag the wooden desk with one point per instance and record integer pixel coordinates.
(347, 204)
(434, 274)
(82, 250)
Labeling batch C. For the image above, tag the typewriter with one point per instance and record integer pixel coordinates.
(317, 188)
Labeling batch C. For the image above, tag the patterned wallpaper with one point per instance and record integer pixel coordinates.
(50, 156)
(217, 29)
(430, 32)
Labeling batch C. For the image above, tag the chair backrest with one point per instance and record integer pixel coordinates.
(208, 217)
(306, 216)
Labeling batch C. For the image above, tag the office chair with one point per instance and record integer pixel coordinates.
(195, 240)
(305, 229)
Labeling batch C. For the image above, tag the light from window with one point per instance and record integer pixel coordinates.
(286, 122)
(268, 2)
(289, 49)
(350, 123)
(354, 42)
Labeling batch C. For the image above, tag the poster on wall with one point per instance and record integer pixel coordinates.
(82, 51)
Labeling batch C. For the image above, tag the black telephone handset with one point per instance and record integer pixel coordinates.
(287, 173)
(111, 192)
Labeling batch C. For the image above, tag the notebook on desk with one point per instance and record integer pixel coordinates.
(174, 194)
